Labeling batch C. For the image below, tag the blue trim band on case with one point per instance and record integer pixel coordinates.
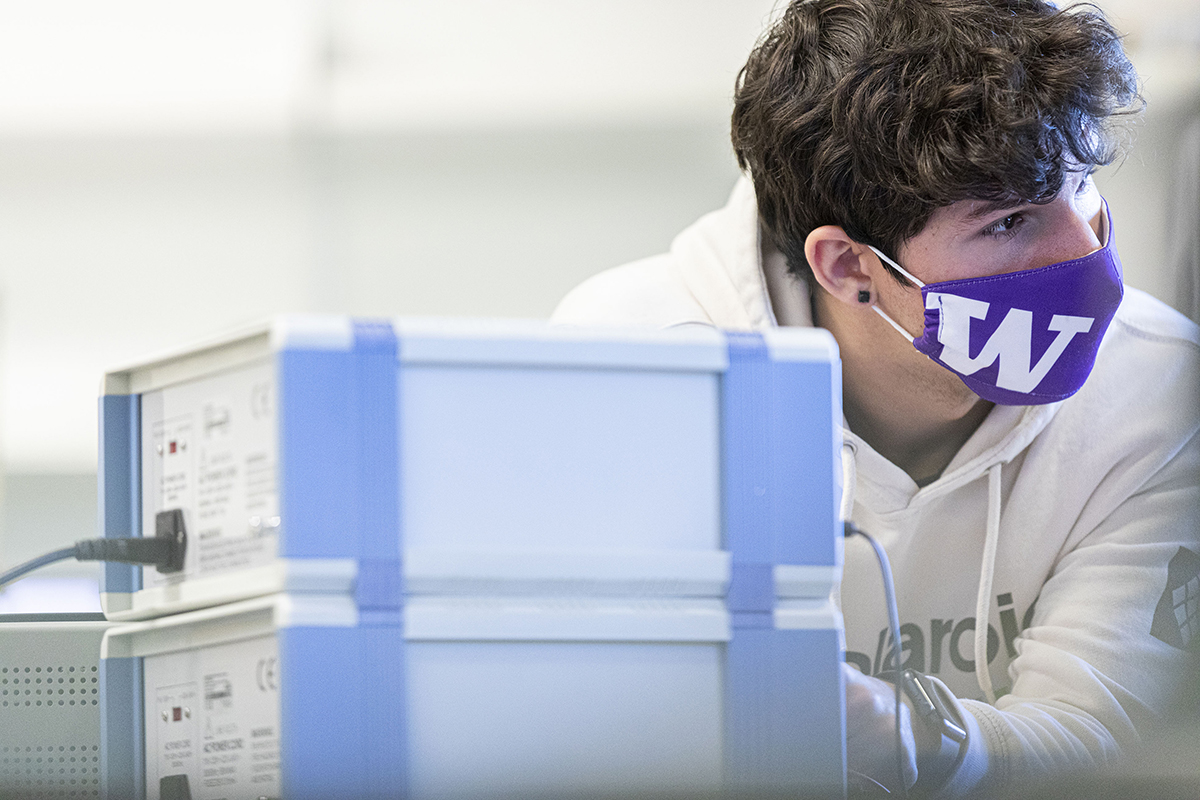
(785, 729)
(119, 484)
(338, 453)
(751, 596)
(342, 731)
(321, 745)
(746, 440)
(767, 685)
(379, 587)
(385, 717)
(781, 502)
(342, 702)
(317, 454)
(122, 735)
(376, 367)
(806, 430)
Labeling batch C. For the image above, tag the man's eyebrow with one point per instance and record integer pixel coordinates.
(984, 208)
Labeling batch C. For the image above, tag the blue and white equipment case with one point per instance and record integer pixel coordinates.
(451, 558)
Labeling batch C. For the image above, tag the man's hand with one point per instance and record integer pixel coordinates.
(871, 730)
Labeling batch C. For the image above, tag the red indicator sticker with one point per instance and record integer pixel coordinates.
(173, 445)
(177, 711)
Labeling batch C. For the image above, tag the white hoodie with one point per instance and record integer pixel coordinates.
(1082, 506)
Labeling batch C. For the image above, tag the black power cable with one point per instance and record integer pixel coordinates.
(21, 570)
(165, 550)
(889, 591)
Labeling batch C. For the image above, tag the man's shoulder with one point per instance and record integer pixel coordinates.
(645, 292)
(1143, 389)
(1147, 318)
(711, 275)
(1151, 349)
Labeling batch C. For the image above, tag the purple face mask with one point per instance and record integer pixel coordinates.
(1022, 338)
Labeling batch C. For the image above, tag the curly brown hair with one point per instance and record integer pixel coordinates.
(871, 114)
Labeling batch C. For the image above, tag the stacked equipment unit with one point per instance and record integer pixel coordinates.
(50, 705)
(461, 558)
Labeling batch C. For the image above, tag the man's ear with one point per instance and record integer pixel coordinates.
(840, 264)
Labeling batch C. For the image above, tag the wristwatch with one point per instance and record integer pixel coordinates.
(935, 710)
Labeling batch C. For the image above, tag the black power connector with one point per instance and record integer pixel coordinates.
(165, 551)
(168, 526)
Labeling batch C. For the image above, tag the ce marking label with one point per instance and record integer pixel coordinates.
(267, 673)
(260, 400)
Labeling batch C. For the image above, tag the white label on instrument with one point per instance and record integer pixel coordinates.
(209, 448)
(212, 722)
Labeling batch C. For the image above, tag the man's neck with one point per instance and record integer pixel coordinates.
(921, 444)
(911, 410)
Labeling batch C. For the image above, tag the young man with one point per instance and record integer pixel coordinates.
(920, 185)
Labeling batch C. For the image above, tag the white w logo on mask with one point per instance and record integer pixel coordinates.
(1011, 342)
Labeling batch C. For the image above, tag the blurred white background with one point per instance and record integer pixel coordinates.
(168, 170)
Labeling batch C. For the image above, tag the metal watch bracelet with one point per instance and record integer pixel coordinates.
(937, 714)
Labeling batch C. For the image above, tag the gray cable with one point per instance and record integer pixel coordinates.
(889, 591)
(21, 570)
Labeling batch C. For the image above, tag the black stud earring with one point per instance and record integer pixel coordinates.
(864, 296)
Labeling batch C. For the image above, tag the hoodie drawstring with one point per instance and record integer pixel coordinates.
(986, 572)
(987, 565)
(849, 477)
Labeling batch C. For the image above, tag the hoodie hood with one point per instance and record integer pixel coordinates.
(718, 260)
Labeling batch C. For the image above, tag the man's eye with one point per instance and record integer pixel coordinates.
(1086, 183)
(1005, 226)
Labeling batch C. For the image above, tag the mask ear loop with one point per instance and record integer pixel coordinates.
(920, 284)
(879, 310)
